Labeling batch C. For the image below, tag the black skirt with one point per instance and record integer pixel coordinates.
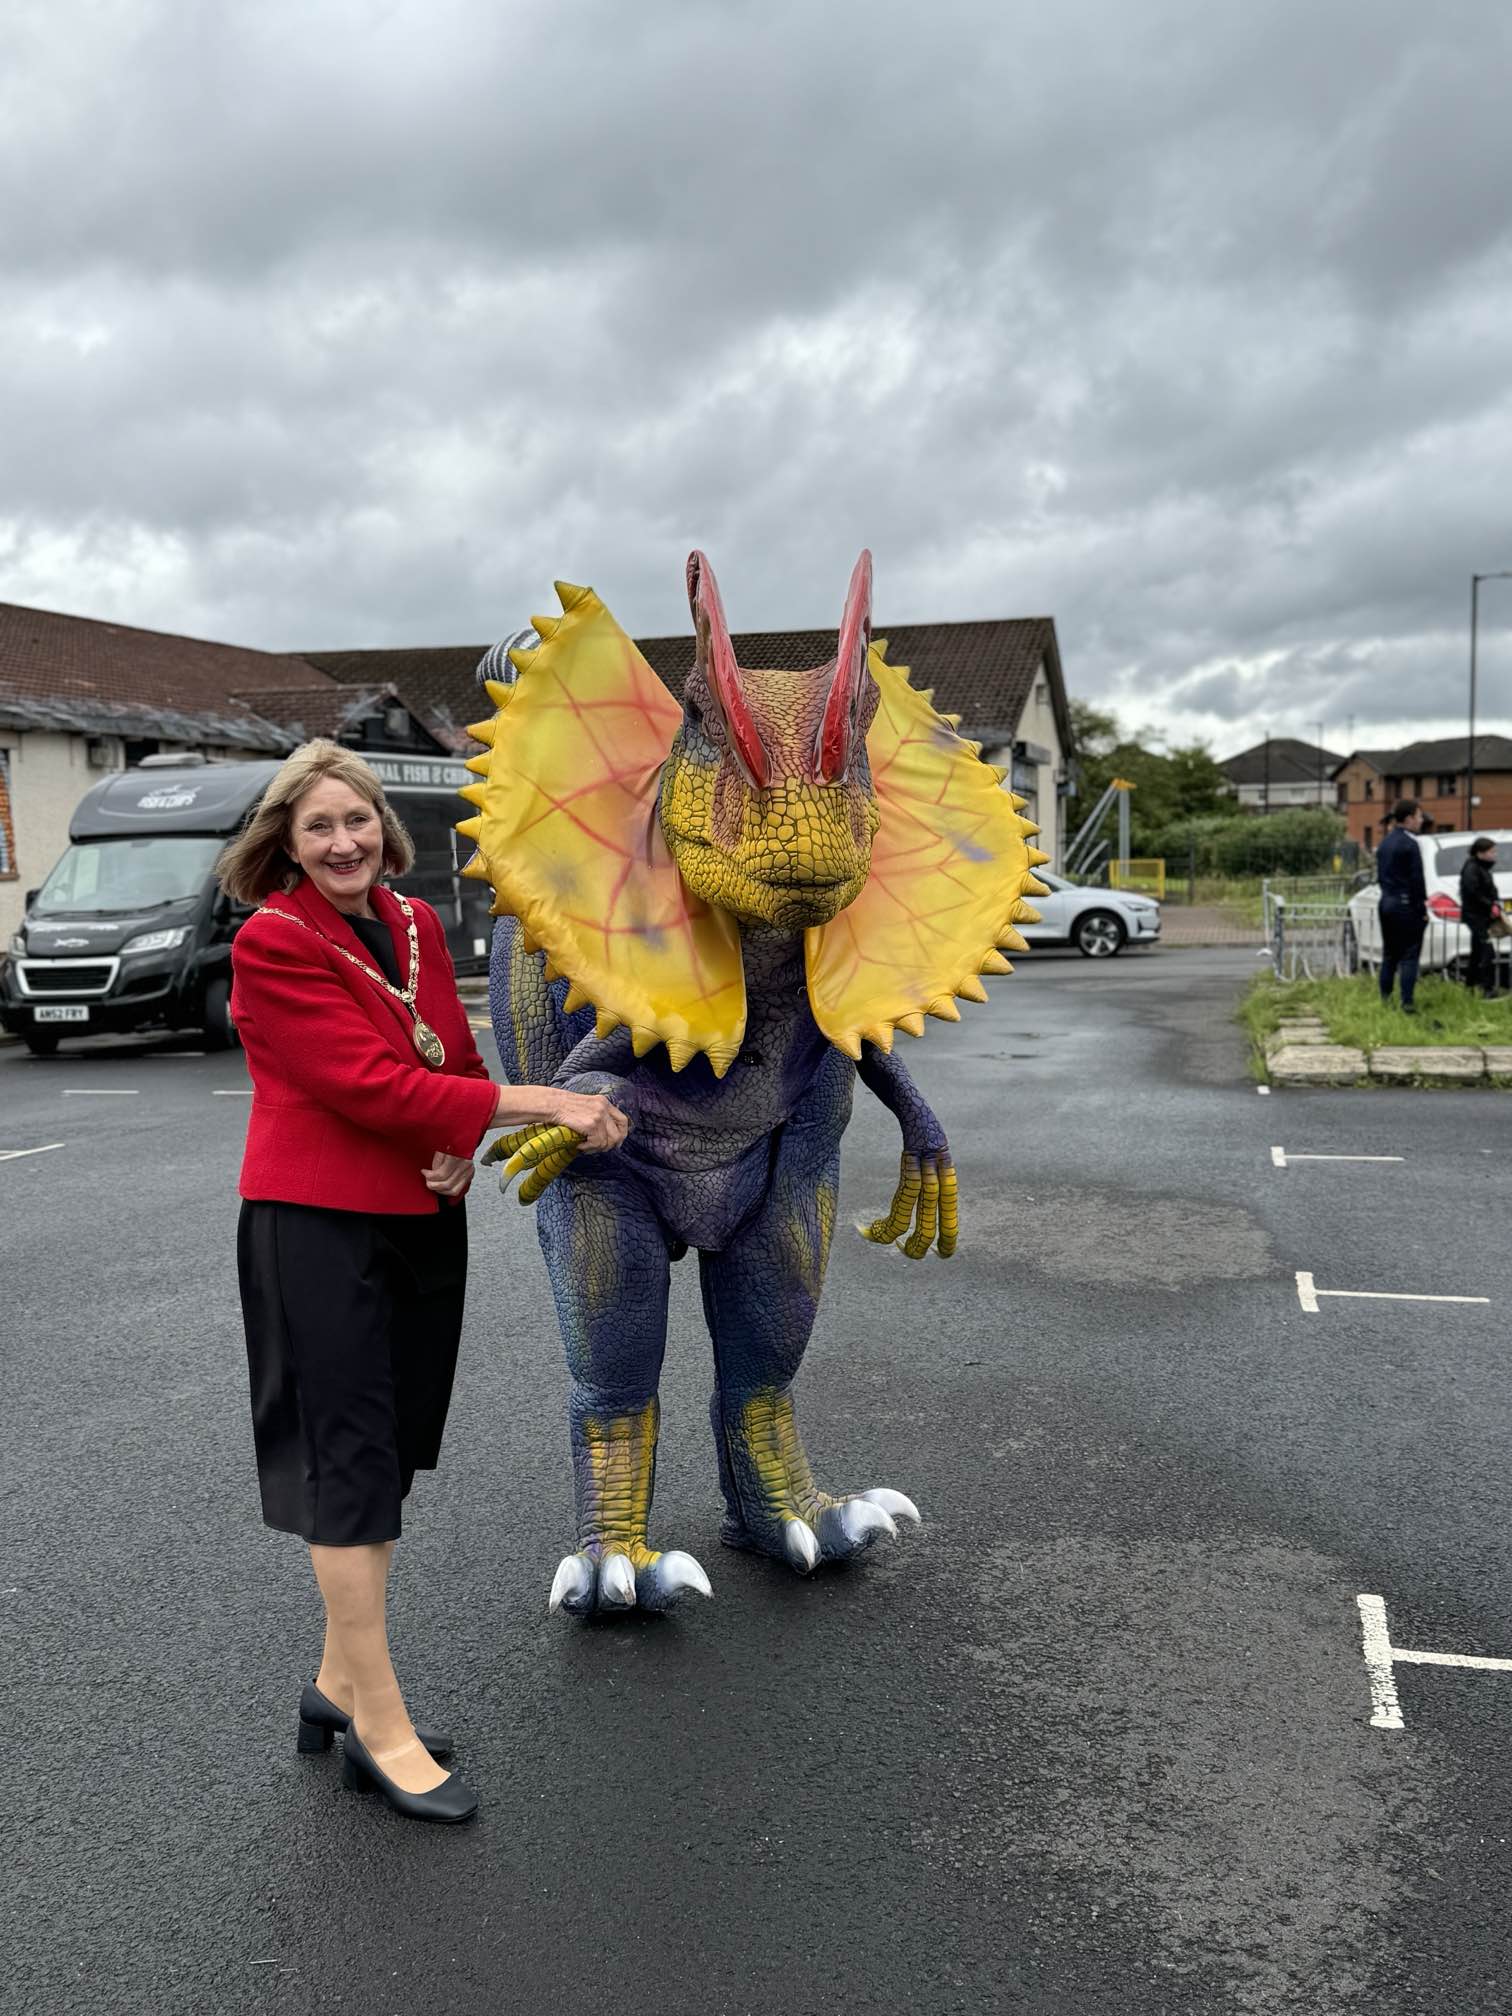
(352, 1322)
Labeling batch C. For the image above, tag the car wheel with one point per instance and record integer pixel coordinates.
(41, 1042)
(220, 1030)
(1099, 934)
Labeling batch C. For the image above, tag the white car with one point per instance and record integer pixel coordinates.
(1098, 922)
(1446, 942)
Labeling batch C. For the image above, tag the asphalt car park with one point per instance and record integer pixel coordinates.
(1104, 1736)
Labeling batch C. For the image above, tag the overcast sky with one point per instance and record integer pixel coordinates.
(1189, 324)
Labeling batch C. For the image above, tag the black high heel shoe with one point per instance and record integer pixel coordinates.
(320, 1720)
(447, 1803)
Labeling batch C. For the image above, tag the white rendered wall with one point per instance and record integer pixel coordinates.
(1037, 724)
(49, 774)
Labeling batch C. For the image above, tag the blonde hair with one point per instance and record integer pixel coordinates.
(259, 860)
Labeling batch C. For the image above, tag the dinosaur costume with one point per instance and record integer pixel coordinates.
(719, 915)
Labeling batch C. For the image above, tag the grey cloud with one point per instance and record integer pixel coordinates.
(1185, 325)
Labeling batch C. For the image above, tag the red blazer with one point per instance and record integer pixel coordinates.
(345, 1111)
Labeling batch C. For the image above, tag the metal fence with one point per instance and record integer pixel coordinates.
(1307, 925)
(1147, 876)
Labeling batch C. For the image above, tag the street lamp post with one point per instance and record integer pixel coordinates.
(1501, 574)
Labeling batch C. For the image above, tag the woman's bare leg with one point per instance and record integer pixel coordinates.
(335, 1676)
(354, 1585)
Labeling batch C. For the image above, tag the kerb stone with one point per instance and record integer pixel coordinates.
(1316, 1064)
(1449, 1067)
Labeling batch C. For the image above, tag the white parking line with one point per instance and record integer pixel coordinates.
(1283, 1160)
(99, 1092)
(1381, 1656)
(1308, 1295)
(15, 1154)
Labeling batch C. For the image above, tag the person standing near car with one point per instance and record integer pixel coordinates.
(369, 1100)
(1480, 902)
(1404, 902)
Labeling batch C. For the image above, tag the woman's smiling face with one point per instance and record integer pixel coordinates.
(336, 838)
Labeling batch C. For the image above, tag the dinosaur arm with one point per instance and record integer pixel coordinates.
(887, 1078)
(926, 1194)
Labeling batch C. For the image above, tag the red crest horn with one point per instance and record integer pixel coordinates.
(716, 660)
(837, 731)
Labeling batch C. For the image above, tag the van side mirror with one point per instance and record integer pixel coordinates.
(31, 897)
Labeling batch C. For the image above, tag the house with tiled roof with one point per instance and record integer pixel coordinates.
(79, 698)
(1368, 782)
(1281, 773)
(1002, 677)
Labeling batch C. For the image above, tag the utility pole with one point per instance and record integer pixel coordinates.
(1265, 788)
(1320, 764)
(1502, 574)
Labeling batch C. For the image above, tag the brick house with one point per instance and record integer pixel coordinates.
(1369, 781)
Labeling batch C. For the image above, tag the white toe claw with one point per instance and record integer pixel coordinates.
(894, 1504)
(861, 1518)
(802, 1545)
(616, 1583)
(572, 1583)
(678, 1571)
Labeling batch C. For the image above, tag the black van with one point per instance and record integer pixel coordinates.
(130, 931)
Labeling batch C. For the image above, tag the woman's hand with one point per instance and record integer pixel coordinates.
(596, 1119)
(448, 1175)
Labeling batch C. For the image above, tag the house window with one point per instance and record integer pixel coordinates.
(1370, 787)
(1369, 836)
(1448, 787)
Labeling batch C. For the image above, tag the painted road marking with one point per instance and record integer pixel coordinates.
(1381, 1656)
(99, 1092)
(233, 1092)
(1284, 1161)
(1308, 1295)
(15, 1154)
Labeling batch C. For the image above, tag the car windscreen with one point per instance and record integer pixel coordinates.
(106, 876)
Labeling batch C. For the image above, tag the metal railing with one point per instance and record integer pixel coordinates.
(1307, 925)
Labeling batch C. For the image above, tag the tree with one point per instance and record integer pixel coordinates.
(1182, 783)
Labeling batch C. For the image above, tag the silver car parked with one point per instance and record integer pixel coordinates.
(1098, 922)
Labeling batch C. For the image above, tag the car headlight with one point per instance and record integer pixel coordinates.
(156, 941)
(17, 946)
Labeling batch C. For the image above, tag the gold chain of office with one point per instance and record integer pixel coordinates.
(425, 1039)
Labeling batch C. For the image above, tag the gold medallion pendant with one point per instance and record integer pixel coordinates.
(428, 1043)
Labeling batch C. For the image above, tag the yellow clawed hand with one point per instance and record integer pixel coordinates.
(544, 1151)
(926, 1199)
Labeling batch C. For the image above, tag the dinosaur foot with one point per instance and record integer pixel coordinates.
(838, 1530)
(605, 1581)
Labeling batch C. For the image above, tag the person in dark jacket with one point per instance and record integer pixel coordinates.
(1480, 901)
(1404, 901)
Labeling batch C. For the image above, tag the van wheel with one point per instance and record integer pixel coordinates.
(220, 1030)
(41, 1042)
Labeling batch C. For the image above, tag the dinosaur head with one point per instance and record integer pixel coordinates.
(766, 795)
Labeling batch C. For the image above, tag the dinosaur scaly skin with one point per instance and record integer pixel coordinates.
(758, 832)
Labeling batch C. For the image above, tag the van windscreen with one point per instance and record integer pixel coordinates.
(109, 876)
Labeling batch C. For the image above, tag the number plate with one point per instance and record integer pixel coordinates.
(61, 1011)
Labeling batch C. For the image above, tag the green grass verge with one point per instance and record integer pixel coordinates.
(1352, 1011)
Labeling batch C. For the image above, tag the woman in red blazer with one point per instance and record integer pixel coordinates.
(369, 1102)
